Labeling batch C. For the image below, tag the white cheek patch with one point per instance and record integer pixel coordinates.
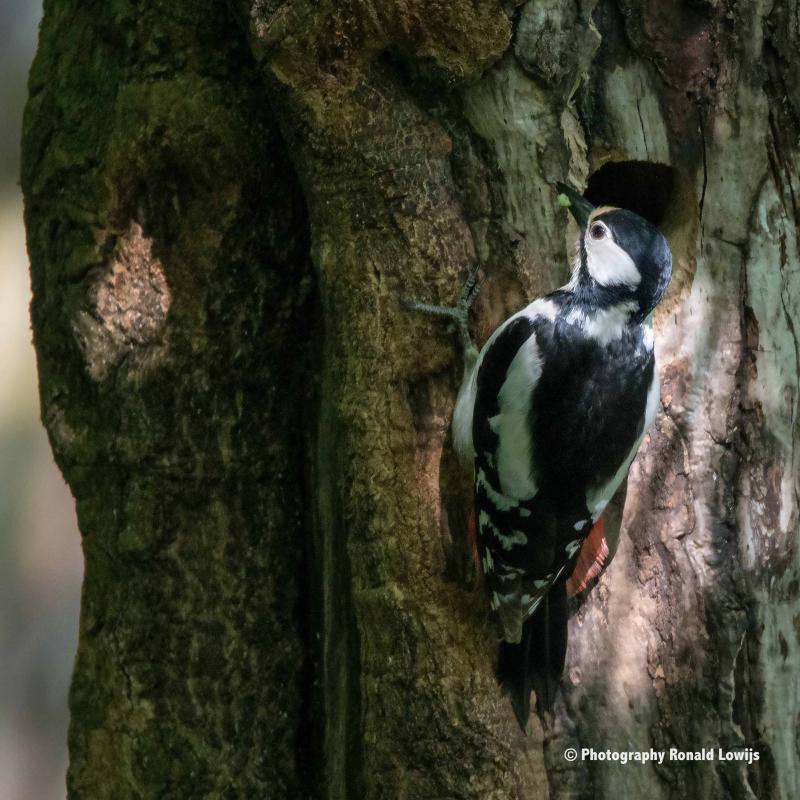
(609, 264)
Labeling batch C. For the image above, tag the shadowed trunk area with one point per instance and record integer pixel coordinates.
(175, 321)
(226, 204)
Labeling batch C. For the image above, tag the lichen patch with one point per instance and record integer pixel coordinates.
(128, 306)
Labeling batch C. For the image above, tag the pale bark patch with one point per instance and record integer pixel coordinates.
(129, 305)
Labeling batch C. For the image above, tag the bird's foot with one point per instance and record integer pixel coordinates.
(458, 314)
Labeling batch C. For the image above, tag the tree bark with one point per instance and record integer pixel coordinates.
(225, 205)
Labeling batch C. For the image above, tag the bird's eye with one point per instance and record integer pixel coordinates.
(597, 231)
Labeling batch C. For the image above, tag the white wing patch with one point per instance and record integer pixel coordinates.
(465, 403)
(514, 459)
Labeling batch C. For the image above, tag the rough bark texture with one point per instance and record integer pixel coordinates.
(171, 313)
(225, 204)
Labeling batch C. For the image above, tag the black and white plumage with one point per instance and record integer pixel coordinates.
(552, 411)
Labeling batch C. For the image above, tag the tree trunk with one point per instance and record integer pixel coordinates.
(225, 205)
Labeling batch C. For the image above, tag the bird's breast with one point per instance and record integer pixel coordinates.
(589, 406)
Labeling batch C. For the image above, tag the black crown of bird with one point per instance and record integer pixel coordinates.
(550, 414)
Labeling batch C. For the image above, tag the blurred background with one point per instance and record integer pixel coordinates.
(40, 556)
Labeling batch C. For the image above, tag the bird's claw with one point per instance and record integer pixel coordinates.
(459, 314)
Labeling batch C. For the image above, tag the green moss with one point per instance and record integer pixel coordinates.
(154, 114)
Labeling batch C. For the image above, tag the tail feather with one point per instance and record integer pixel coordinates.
(537, 661)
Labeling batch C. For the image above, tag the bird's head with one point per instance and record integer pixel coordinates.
(622, 255)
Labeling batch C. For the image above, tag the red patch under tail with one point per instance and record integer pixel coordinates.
(591, 560)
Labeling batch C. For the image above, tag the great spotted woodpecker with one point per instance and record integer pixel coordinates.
(551, 413)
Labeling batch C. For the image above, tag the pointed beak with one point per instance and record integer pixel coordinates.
(579, 206)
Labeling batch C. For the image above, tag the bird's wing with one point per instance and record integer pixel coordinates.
(507, 371)
(505, 482)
